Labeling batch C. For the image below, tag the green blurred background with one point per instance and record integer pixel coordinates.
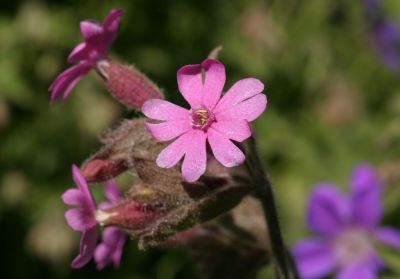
(332, 104)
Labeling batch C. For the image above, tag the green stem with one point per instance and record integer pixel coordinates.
(283, 263)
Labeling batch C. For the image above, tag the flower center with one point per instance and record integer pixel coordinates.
(201, 118)
(353, 246)
(102, 216)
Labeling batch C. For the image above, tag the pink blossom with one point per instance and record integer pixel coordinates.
(110, 249)
(97, 41)
(211, 118)
(83, 219)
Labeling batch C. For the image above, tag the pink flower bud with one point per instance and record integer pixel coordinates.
(128, 215)
(98, 170)
(128, 85)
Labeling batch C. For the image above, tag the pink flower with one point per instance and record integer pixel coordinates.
(212, 118)
(110, 250)
(97, 41)
(83, 219)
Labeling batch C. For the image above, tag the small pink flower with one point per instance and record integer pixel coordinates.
(212, 118)
(97, 41)
(83, 219)
(110, 249)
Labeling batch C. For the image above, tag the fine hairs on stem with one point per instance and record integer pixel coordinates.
(282, 260)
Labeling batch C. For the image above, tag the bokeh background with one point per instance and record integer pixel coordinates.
(334, 101)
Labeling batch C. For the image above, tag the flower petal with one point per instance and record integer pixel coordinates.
(105, 205)
(90, 29)
(80, 219)
(110, 250)
(248, 110)
(67, 80)
(195, 161)
(111, 25)
(224, 150)
(79, 53)
(214, 82)
(174, 152)
(112, 20)
(111, 236)
(73, 197)
(112, 192)
(163, 110)
(239, 92)
(366, 196)
(328, 210)
(116, 258)
(314, 258)
(357, 271)
(87, 248)
(235, 129)
(190, 84)
(388, 236)
(168, 130)
(82, 185)
(102, 256)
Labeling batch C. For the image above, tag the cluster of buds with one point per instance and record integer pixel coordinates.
(169, 197)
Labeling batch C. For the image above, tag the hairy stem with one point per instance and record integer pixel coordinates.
(284, 265)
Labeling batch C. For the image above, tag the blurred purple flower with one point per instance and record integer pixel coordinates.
(384, 34)
(97, 41)
(347, 229)
(373, 5)
(83, 219)
(386, 40)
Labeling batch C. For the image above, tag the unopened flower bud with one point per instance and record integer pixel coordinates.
(161, 203)
(128, 215)
(128, 85)
(99, 170)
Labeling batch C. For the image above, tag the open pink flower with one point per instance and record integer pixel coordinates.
(83, 219)
(97, 41)
(211, 118)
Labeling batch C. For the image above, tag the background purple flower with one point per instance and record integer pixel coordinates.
(97, 41)
(373, 5)
(347, 230)
(386, 40)
(384, 34)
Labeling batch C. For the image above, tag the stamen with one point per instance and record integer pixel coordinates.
(201, 118)
(102, 216)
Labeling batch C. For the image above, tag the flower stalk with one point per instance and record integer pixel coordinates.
(284, 265)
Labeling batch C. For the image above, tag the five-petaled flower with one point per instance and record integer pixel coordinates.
(211, 118)
(348, 230)
(84, 219)
(97, 41)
